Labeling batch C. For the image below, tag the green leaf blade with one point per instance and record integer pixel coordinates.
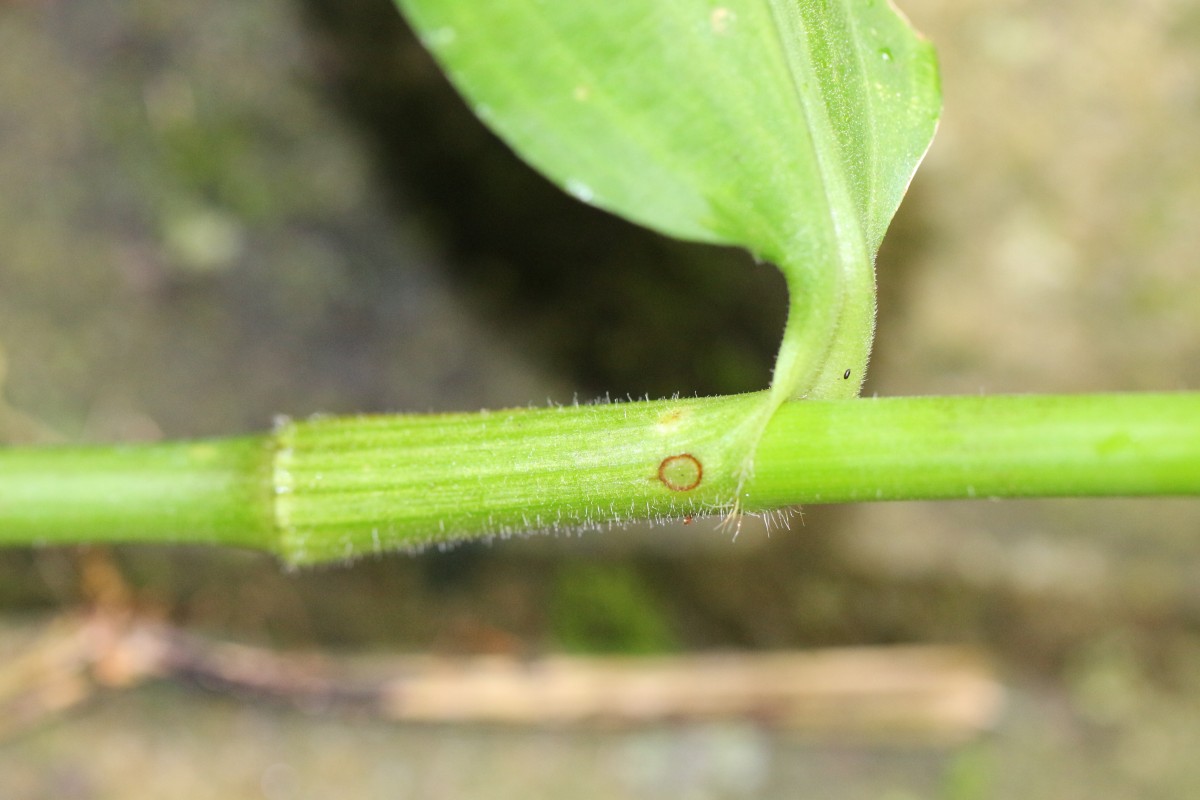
(788, 127)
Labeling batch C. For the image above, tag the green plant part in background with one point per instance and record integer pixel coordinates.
(789, 127)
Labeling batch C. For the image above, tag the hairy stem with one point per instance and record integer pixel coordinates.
(340, 487)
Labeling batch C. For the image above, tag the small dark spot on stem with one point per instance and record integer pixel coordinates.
(846, 375)
(680, 473)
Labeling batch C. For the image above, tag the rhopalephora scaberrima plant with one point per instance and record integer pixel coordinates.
(790, 128)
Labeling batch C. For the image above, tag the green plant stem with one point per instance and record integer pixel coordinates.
(340, 487)
(204, 492)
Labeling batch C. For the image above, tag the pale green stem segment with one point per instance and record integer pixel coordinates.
(202, 492)
(337, 488)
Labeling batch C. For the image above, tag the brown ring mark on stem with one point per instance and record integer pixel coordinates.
(680, 473)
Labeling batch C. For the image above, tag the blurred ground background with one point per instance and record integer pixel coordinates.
(214, 212)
